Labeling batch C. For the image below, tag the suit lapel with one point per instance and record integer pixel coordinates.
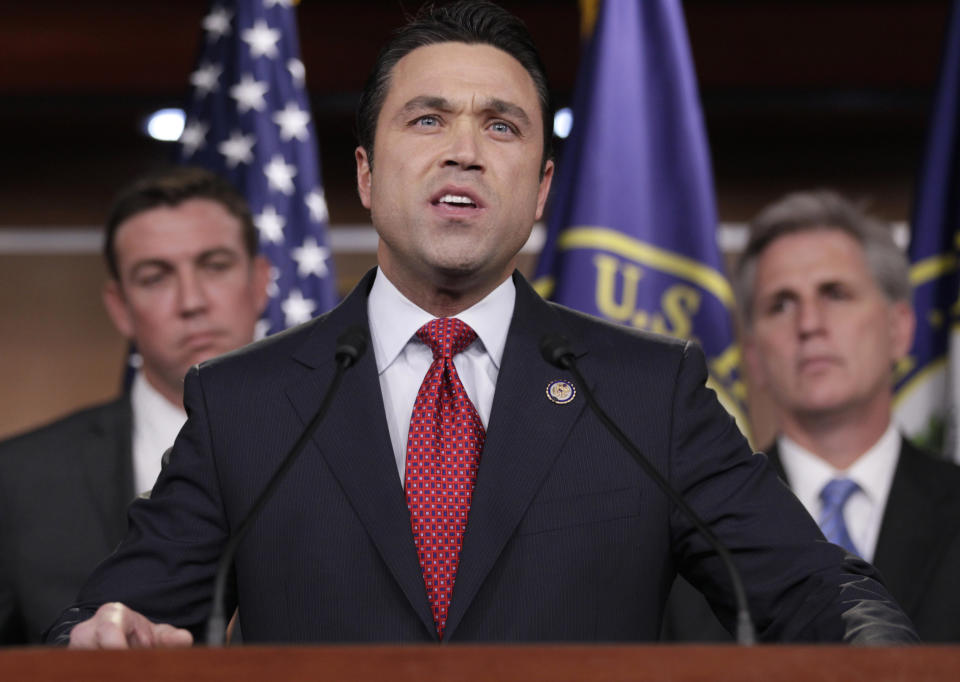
(106, 460)
(355, 443)
(773, 454)
(525, 433)
(908, 534)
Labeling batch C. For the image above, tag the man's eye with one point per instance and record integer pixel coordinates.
(428, 121)
(778, 305)
(837, 293)
(218, 265)
(502, 127)
(151, 278)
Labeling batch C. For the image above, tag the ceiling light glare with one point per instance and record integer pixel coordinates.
(562, 122)
(166, 125)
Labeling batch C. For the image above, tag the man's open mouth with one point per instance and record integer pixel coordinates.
(456, 200)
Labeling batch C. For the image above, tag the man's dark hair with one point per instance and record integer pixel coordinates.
(172, 187)
(467, 21)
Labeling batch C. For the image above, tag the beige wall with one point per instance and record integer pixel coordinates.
(58, 350)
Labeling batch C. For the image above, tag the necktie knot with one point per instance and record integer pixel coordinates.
(446, 336)
(834, 496)
(836, 493)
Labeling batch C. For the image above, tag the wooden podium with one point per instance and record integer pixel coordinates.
(491, 663)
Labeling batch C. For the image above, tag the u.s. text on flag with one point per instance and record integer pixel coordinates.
(249, 120)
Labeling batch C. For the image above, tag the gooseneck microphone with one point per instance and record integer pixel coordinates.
(558, 353)
(351, 345)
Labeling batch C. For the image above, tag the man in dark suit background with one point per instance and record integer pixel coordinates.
(185, 284)
(501, 510)
(825, 300)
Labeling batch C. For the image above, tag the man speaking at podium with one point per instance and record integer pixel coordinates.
(459, 489)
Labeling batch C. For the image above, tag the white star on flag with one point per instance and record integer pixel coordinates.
(206, 79)
(280, 174)
(293, 122)
(317, 204)
(261, 329)
(262, 40)
(194, 137)
(273, 3)
(217, 23)
(311, 258)
(273, 288)
(249, 94)
(297, 71)
(297, 309)
(238, 149)
(271, 224)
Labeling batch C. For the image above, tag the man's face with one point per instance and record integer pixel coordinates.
(824, 336)
(188, 290)
(455, 185)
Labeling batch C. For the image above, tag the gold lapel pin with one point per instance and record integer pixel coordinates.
(561, 392)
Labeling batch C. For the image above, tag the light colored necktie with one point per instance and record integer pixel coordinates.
(834, 496)
(443, 452)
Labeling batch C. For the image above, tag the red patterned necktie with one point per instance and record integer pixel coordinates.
(443, 452)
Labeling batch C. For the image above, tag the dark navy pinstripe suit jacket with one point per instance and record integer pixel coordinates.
(567, 539)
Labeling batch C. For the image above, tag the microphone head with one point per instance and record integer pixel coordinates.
(556, 350)
(351, 345)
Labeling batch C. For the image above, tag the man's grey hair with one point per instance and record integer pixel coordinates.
(822, 210)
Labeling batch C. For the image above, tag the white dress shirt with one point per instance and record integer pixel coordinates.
(403, 359)
(156, 423)
(873, 472)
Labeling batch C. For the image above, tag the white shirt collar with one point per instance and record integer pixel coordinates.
(156, 422)
(394, 319)
(873, 470)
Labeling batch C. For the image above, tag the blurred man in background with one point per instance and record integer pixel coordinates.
(186, 284)
(824, 294)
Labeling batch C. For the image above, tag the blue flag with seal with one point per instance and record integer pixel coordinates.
(927, 391)
(249, 120)
(632, 233)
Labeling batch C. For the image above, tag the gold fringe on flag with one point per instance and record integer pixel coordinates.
(588, 17)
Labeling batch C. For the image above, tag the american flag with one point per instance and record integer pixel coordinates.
(249, 120)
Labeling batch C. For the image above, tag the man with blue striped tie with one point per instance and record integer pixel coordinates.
(824, 295)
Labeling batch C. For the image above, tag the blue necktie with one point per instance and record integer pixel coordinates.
(834, 496)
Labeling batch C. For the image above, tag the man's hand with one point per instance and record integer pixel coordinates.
(114, 626)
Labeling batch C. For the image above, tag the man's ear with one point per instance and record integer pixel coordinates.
(261, 280)
(116, 304)
(364, 179)
(903, 323)
(544, 191)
